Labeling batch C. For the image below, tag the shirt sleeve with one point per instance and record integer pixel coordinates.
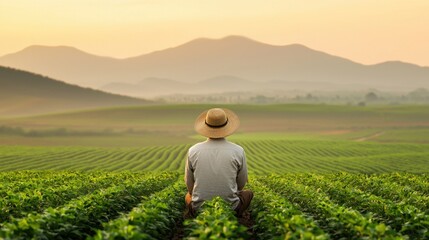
(189, 176)
(242, 174)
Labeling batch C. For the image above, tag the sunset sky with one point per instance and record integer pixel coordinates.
(365, 31)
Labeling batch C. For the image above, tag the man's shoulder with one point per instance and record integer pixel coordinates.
(209, 144)
(197, 146)
(235, 146)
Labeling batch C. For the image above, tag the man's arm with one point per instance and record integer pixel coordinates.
(242, 174)
(189, 176)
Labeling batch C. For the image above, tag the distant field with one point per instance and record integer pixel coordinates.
(264, 157)
(173, 124)
(277, 138)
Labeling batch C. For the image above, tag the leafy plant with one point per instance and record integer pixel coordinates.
(215, 220)
(338, 220)
(276, 218)
(152, 219)
(79, 218)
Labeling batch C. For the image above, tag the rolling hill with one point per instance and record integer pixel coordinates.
(66, 63)
(152, 87)
(204, 58)
(23, 93)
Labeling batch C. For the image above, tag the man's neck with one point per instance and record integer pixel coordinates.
(215, 139)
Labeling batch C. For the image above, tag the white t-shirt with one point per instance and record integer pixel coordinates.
(215, 167)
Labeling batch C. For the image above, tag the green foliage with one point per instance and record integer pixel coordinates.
(132, 205)
(339, 221)
(37, 194)
(152, 219)
(276, 218)
(78, 218)
(355, 191)
(215, 220)
(264, 156)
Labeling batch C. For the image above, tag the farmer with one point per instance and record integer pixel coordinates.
(216, 167)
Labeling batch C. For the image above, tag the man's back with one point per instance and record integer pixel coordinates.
(216, 167)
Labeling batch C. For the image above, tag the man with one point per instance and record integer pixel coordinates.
(216, 167)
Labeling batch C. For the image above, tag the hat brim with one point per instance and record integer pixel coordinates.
(202, 128)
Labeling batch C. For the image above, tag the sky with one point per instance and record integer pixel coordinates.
(365, 31)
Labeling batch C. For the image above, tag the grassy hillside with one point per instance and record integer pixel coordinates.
(24, 93)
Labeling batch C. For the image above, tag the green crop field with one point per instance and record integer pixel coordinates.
(126, 205)
(263, 156)
(317, 171)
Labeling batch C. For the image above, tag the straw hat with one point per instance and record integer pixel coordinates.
(217, 123)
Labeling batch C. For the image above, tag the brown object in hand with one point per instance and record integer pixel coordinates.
(189, 211)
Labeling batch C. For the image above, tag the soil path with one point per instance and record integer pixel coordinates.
(375, 135)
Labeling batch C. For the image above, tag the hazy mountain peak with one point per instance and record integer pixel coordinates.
(51, 49)
(237, 38)
(60, 51)
(229, 38)
(58, 47)
(63, 62)
(396, 64)
(225, 42)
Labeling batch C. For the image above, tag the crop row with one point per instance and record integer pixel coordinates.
(215, 220)
(383, 186)
(414, 182)
(78, 218)
(277, 218)
(25, 180)
(401, 216)
(36, 198)
(264, 156)
(124, 205)
(154, 218)
(337, 220)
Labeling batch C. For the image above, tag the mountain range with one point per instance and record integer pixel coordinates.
(25, 93)
(233, 63)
